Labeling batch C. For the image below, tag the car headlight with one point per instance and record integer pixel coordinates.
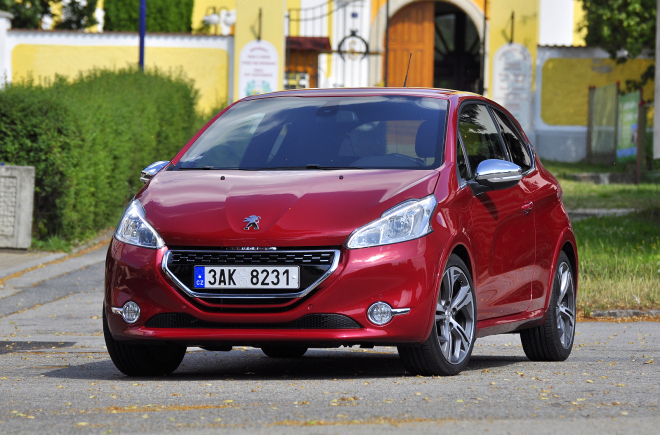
(135, 230)
(407, 221)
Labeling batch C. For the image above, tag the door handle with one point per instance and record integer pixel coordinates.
(527, 207)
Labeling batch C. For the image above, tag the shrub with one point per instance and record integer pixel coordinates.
(172, 16)
(90, 138)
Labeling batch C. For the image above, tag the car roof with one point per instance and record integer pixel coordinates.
(358, 92)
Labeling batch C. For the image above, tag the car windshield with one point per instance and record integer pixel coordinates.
(323, 133)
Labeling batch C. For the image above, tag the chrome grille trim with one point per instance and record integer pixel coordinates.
(301, 294)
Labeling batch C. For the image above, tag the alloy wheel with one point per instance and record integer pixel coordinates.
(565, 309)
(454, 315)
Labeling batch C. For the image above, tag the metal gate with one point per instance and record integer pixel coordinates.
(327, 44)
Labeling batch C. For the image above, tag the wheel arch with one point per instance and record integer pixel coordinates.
(462, 252)
(459, 244)
(566, 244)
(571, 253)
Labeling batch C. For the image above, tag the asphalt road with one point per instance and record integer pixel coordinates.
(56, 377)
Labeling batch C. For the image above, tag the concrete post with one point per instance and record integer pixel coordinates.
(16, 206)
(656, 112)
(5, 58)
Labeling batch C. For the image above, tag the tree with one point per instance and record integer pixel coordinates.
(171, 16)
(77, 14)
(623, 28)
(28, 14)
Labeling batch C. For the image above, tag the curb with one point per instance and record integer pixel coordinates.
(57, 257)
(30, 277)
(617, 314)
(30, 264)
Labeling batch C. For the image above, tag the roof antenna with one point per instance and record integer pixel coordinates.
(406, 80)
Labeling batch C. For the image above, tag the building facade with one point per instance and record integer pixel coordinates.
(526, 54)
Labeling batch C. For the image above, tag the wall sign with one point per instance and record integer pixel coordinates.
(626, 143)
(512, 82)
(258, 67)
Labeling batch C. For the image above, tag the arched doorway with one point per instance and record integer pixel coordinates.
(445, 44)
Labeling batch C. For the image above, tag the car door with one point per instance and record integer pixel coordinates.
(542, 198)
(502, 230)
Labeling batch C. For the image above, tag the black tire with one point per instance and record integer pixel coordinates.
(284, 351)
(545, 342)
(143, 359)
(433, 357)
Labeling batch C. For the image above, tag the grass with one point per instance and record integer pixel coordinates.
(590, 195)
(619, 256)
(619, 261)
(561, 169)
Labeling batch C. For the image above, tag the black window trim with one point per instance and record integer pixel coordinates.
(516, 131)
(491, 106)
(467, 165)
(458, 121)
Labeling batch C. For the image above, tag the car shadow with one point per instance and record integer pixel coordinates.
(253, 365)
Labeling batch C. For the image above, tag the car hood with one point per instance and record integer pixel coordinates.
(294, 208)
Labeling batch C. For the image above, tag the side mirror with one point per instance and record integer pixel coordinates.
(495, 174)
(152, 169)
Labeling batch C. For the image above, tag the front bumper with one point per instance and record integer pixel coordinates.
(404, 275)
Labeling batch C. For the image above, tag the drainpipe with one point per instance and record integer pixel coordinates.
(143, 30)
(387, 39)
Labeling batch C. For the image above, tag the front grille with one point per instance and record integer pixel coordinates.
(310, 321)
(314, 267)
(317, 258)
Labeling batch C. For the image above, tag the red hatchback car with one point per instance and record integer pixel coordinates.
(418, 218)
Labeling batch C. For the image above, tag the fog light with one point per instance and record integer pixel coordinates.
(379, 313)
(130, 312)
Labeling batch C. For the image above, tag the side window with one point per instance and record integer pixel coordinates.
(517, 148)
(461, 164)
(480, 136)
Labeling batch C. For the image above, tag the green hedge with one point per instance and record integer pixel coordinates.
(89, 139)
(171, 16)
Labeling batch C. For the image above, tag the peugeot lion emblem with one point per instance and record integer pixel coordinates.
(252, 222)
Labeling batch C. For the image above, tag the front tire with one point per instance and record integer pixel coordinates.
(553, 340)
(143, 359)
(447, 350)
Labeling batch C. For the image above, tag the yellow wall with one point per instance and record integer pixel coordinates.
(207, 67)
(200, 7)
(565, 89)
(578, 16)
(525, 32)
(294, 26)
(272, 30)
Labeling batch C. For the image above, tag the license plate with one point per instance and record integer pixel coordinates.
(247, 277)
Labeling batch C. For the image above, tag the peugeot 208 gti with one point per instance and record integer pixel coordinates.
(418, 218)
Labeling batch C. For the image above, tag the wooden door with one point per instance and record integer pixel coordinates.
(412, 30)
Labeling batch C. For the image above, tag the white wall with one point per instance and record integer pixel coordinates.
(556, 22)
(5, 53)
